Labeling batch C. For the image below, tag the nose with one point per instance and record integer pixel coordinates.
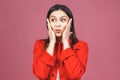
(58, 24)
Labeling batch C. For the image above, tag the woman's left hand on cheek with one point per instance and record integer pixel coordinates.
(66, 34)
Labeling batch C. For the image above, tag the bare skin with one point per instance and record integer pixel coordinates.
(58, 27)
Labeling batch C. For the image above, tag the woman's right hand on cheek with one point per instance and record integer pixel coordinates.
(51, 34)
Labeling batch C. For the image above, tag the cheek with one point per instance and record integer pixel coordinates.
(52, 26)
(64, 26)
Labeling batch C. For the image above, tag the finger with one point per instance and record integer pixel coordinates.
(70, 33)
(49, 27)
(69, 24)
(48, 23)
(70, 21)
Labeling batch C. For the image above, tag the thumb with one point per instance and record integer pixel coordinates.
(70, 33)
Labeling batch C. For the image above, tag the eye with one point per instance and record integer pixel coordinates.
(53, 20)
(63, 20)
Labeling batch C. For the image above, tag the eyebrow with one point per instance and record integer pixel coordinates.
(52, 16)
(64, 16)
(60, 17)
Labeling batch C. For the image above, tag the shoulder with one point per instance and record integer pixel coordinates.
(39, 42)
(81, 44)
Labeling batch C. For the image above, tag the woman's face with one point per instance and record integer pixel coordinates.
(58, 20)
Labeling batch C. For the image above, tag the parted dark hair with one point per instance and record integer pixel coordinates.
(69, 14)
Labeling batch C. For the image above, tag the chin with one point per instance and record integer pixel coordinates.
(58, 35)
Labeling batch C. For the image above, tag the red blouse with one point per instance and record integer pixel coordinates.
(71, 62)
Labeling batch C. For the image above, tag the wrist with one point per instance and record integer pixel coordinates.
(66, 45)
(52, 42)
(65, 41)
(50, 48)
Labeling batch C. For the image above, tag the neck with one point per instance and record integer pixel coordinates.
(59, 39)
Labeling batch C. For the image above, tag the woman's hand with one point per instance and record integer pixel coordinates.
(51, 34)
(66, 34)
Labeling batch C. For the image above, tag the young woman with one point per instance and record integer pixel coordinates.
(62, 56)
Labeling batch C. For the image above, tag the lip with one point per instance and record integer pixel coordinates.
(57, 30)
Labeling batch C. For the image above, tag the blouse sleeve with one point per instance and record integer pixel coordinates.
(42, 61)
(74, 60)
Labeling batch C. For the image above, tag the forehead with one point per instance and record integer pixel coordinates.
(58, 14)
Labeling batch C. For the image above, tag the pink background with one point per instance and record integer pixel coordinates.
(23, 21)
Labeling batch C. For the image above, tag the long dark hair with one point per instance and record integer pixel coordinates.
(69, 13)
